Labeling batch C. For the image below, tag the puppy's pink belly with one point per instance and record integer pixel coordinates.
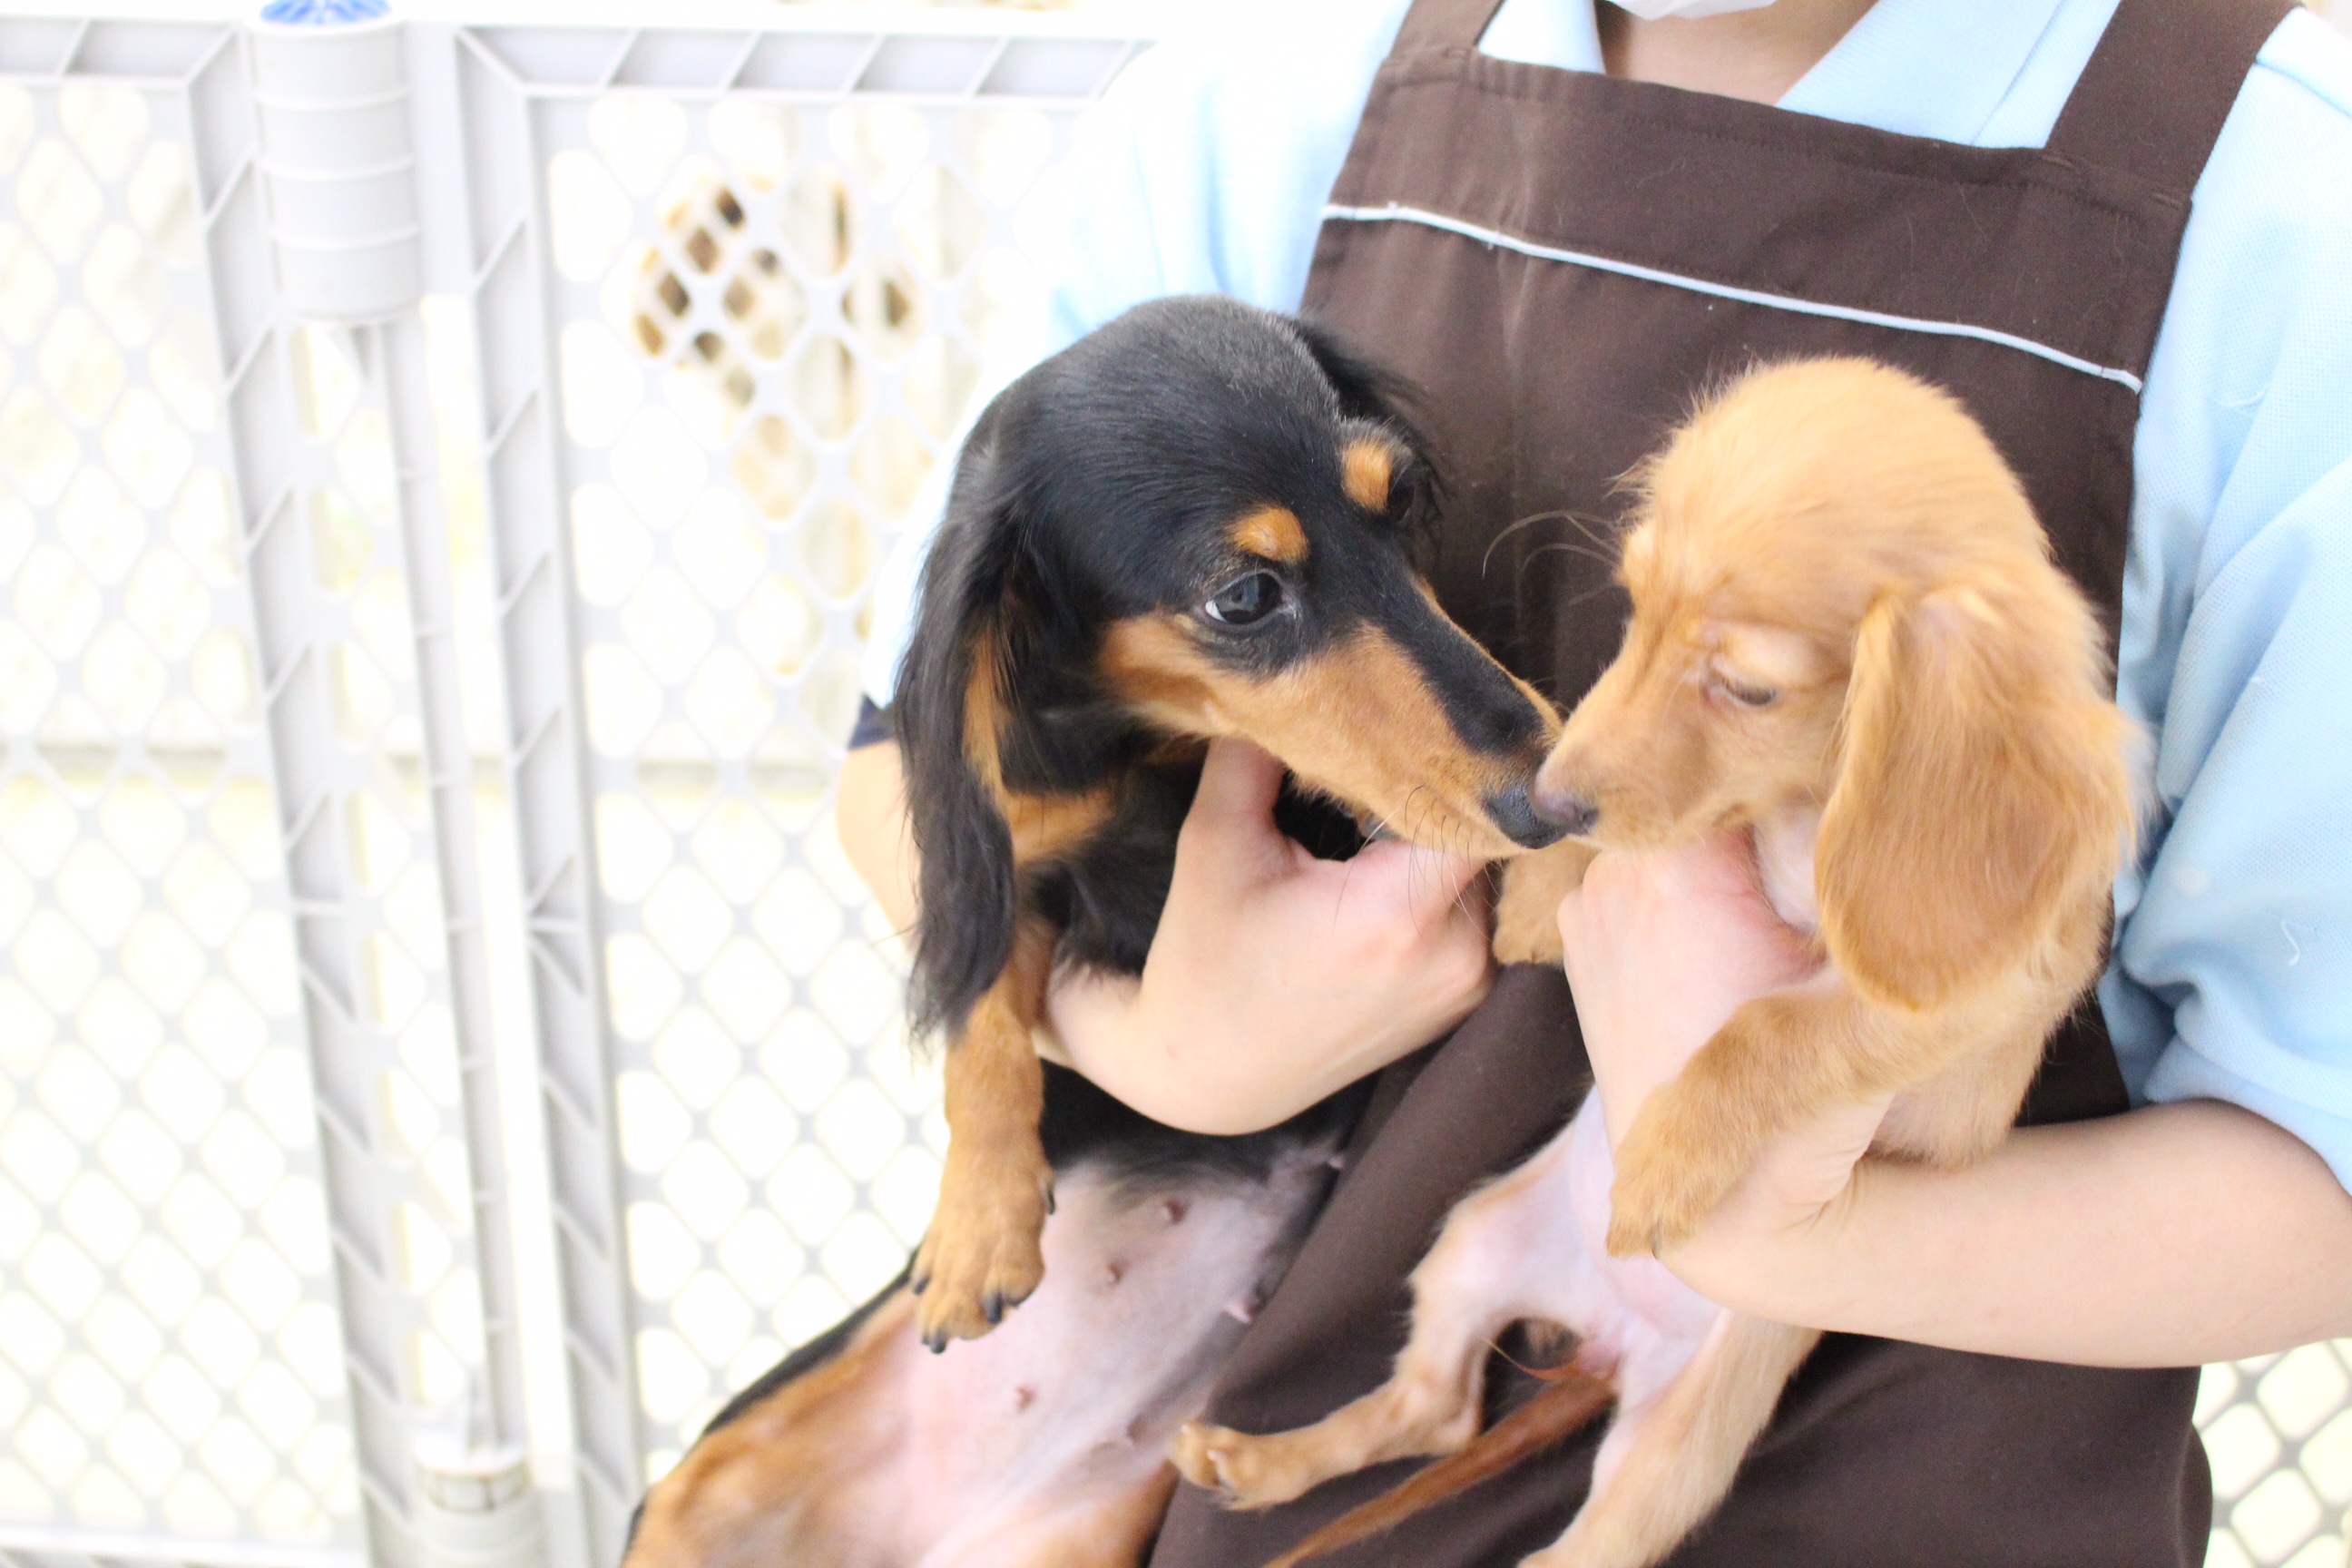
(1624, 1310)
(1015, 1439)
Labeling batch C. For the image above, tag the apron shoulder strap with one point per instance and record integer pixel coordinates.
(2162, 80)
(1444, 24)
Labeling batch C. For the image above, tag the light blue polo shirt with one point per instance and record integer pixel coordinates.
(1207, 167)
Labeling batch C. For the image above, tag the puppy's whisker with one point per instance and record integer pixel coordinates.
(1487, 560)
(1594, 553)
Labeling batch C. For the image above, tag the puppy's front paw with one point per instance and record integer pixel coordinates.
(982, 1255)
(1668, 1181)
(1243, 1471)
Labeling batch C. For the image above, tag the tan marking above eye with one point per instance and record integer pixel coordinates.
(1271, 533)
(1366, 468)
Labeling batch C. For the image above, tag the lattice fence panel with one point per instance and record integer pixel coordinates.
(2278, 1431)
(771, 318)
(170, 1359)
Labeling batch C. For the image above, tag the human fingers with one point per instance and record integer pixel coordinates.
(1703, 900)
(1422, 886)
(1232, 809)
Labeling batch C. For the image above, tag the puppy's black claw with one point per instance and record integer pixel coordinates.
(936, 1342)
(919, 1283)
(993, 1309)
(1049, 1200)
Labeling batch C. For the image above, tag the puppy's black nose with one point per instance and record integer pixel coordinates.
(1512, 811)
(1570, 816)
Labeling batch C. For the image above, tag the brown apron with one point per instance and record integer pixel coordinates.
(1561, 261)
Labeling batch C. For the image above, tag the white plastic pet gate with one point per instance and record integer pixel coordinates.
(441, 1051)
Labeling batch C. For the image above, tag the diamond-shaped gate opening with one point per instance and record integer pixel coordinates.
(2303, 1389)
(1006, 150)
(836, 548)
(890, 464)
(589, 215)
(633, 846)
(704, 1192)
(754, 1128)
(653, 1125)
(759, 142)
(942, 225)
(886, 307)
(658, 467)
(603, 382)
(764, 304)
(829, 696)
(677, 773)
(884, 144)
(643, 990)
(937, 384)
(830, 387)
(161, 201)
(760, 1255)
(719, 548)
(107, 124)
(820, 221)
(696, 1059)
(79, 365)
(772, 468)
(59, 200)
(624, 702)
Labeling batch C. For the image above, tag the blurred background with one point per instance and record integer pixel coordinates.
(443, 467)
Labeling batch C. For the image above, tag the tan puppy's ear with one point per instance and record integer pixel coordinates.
(1981, 785)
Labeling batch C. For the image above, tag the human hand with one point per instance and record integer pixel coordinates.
(1661, 950)
(1275, 978)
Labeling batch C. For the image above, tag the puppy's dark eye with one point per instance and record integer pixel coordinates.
(1246, 601)
(1745, 695)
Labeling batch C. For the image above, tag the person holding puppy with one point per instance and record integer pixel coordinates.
(2115, 230)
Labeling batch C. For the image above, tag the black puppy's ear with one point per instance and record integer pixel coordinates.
(1366, 391)
(1371, 392)
(949, 694)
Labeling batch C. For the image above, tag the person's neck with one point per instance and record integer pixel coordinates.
(1755, 55)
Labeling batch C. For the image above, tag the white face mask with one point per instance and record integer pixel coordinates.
(1652, 10)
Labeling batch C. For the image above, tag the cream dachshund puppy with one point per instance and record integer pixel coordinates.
(1848, 637)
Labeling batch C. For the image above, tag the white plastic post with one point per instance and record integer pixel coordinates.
(339, 169)
(337, 156)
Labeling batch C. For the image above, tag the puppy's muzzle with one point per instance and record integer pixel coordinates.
(1515, 811)
(1568, 816)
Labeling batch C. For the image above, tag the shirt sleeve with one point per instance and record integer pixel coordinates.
(1203, 171)
(2232, 978)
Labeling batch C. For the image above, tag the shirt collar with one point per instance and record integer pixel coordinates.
(1939, 69)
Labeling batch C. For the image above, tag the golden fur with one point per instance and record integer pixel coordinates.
(1844, 542)
(1847, 635)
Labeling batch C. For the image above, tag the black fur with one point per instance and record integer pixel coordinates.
(1101, 486)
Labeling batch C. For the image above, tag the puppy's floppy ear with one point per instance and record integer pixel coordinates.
(1981, 786)
(1370, 393)
(947, 713)
(1366, 391)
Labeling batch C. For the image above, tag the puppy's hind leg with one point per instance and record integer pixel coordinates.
(981, 1255)
(1470, 1287)
(1669, 1460)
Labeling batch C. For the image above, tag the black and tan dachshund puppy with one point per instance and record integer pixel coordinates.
(1197, 521)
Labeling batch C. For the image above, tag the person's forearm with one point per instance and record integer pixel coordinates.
(1222, 1082)
(2170, 1237)
(870, 815)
